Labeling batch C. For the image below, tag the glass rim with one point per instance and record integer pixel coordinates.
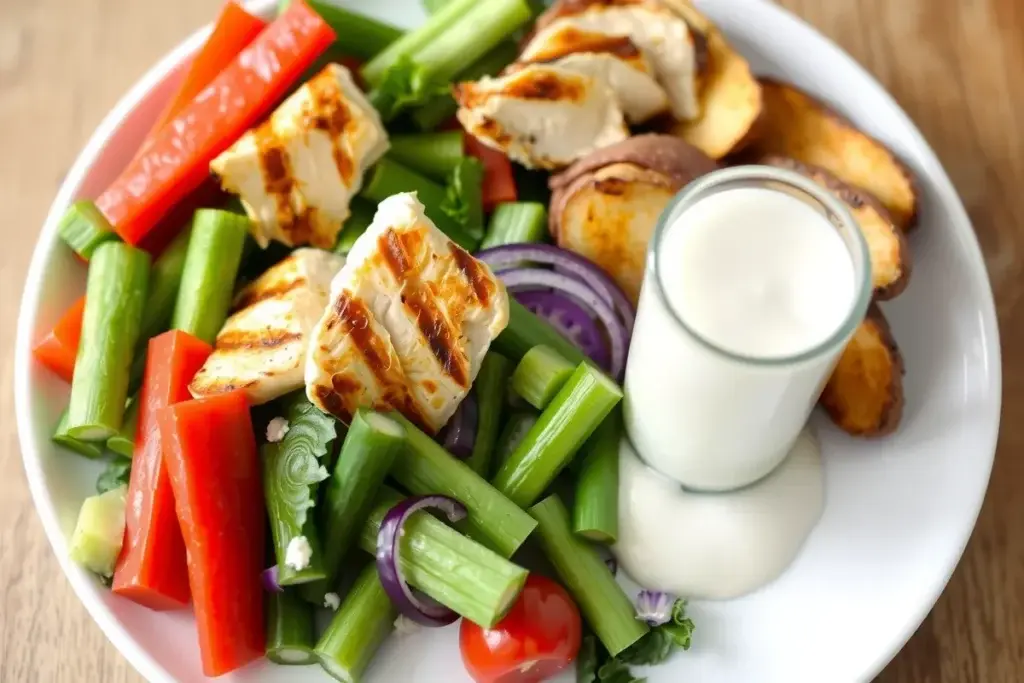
(835, 212)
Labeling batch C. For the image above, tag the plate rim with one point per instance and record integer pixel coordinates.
(85, 588)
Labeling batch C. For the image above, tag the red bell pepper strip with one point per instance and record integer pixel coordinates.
(151, 569)
(499, 184)
(210, 450)
(59, 348)
(233, 31)
(178, 160)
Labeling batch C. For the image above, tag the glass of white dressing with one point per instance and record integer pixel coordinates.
(756, 278)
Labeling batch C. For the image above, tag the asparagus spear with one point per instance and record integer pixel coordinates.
(114, 296)
(596, 505)
(373, 442)
(84, 227)
(605, 606)
(568, 421)
(456, 571)
(424, 468)
(358, 629)
(211, 266)
(540, 374)
(290, 629)
(489, 386)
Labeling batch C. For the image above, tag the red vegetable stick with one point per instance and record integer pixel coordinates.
(499, 184)
(211, 457)
(59, 348)
(178, 160)
(151, 569)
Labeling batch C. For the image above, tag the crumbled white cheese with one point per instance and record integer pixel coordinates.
(276, 429)
(298, 553)
(405, 626)
(332, 601)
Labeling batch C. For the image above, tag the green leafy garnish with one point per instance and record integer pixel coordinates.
(594, 666)
(404, 85)
(115, 475)
(464, 196)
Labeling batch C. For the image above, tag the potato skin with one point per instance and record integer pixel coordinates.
(891, 260)
(864, 395)
(796, 125)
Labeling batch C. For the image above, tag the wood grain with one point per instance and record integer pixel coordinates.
(952, 64)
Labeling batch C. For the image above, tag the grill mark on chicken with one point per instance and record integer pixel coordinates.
(275, 166)
(571, 40)
(275, 291)
(474, 273)
(331, 115)
(546, 86)
(397, 251)
(255, 339)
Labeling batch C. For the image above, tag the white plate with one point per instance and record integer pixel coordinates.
(899, 511)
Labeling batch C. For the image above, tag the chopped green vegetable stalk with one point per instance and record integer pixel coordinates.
(358, 629)
(516, 223)
(442, 107)
(164, 281)
(360, 218)
(596, 505)
(489, 387)
(99, 532)
(456, 571)
(123, 443)
(432, 6)
(292, 469)
(84, 227)
(525, 330)
(117, 473)
(290, 629)
(569, 420)
(361, 36)
(465, 200)
(413, 41)
(388, 177)
(211, 266)
(371, 446)
(488, 23)
(435, 155)
(516, 429)
(425, 468)
(114, 298)
(605, 606)
(89, 449)
(540, 374)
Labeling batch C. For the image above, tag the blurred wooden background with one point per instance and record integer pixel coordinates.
(954, 65)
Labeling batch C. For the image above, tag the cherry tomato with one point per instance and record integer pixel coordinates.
(538, 638)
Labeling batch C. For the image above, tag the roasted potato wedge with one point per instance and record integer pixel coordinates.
(890, 254)
(864, 395)
(606, 205)
(730, 95)
(796, 125)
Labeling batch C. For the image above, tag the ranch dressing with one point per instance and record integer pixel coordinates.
(755, 280)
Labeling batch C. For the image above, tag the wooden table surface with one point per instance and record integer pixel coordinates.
(954, 65)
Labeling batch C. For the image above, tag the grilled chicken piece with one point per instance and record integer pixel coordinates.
(661, 33)
(262, 346)
(541, 116)
(616, 60)
(410, 319)
(297, 172)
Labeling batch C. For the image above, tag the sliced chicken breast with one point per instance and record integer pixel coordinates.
(615, 60)
(262, 346)
(662, 34)
(410, 319)
(297, 172)
(541, 116)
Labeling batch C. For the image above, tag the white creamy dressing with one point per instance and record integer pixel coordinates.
(716, 402)
(716, 545)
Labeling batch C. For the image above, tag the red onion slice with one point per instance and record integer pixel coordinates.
(268, 577)
(410, 602)
(569, 318)
(459, 436)
(618, 334)
(512, 256)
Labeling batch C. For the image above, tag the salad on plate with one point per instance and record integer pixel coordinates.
(359, 310)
